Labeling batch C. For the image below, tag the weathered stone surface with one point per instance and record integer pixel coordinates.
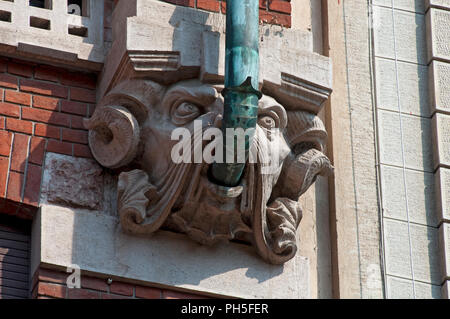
(439, 73)
(442, 182)
(410, 35)
(408, 5)
(73, 182)
(425, 251)
(398, 288)
(438, 24)
(413, 87)
(262, 210)
(421, 195)
(446, 290)
(96, 243)
(354, 197)
(416, 138)
(444, 237)
(441, 134)
(445, 4)
(55, 38)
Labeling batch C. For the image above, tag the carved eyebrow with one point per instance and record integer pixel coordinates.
(202, 95)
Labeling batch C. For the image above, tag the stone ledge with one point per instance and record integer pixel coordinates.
(96, 243)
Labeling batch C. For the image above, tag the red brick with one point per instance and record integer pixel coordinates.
(52, 276)
(18, 97)
(19, 126)
(52, 290)
(47, 73)
(3, 64)
(1, 94)
(47, 131)
(94, 283)
(75, 136)
(280, 6)
(110, 296)
(8, 81)
(76, 293)
(15, 184)
(47, 103)
(32, 185)
(87, 81)
(19, 152)
(83, 95)
(170, 294)
(209, 5)
(4, 163)
(43, 88)
(5, 143)
(2, 122)
(10, 208)
(45, 116)
(262, 4)
(275, 18)
(20, 69)
(74, 107)
(9, 109)
(148, 293)
(223, 6)
(26, 212)
(37, 150)
(59, 147)
(91, 109)
(77, 122)
(82, 151)
(121, 288)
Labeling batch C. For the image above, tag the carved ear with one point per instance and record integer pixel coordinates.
(114, 136)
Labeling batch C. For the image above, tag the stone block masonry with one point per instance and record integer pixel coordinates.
(41, 110)
(270, 11)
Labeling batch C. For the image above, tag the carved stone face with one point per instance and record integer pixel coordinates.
(134, 124)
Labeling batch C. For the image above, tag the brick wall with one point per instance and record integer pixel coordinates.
(51, 284)
(270, 11)
(41, 110)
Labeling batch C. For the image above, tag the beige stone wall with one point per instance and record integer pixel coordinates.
(388, 149)
(307, 15)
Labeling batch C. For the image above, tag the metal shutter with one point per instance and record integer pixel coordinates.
(14, 260)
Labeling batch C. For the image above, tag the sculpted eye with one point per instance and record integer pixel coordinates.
(267, 122)
(185, 112)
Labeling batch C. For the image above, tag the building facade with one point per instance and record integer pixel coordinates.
(92, 205)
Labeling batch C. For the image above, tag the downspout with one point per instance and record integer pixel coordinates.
(241, 82)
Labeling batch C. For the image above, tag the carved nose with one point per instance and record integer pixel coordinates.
(218, 121)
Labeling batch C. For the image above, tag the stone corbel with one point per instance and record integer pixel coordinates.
(163, 76)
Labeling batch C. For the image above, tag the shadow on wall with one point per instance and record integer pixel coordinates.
(100, 245)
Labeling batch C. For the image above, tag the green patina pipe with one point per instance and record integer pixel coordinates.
(241, 82)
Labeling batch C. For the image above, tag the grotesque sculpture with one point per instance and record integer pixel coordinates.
(131, 129)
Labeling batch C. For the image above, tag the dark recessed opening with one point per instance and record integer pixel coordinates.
(78, 7)
(5, 16)
(78, 31)
(44, 4)
(40, 23)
